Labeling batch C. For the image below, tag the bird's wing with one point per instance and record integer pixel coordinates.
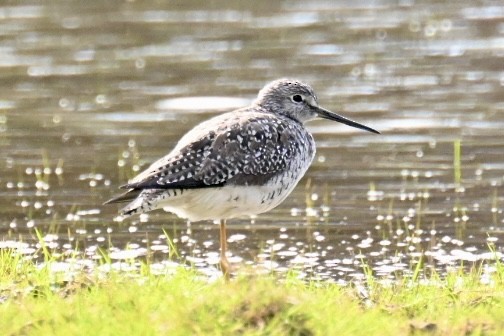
(243, 152)
(251, 152)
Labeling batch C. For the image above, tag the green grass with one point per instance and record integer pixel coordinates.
(34, 301)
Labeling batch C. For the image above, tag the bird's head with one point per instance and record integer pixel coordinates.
(298, 101)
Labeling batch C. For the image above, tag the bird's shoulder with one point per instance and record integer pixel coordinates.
(251, 119)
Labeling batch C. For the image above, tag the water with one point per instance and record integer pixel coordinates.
(91, 93)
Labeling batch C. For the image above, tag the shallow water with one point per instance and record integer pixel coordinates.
(92, 93)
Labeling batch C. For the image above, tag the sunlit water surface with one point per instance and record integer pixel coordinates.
(93, 92)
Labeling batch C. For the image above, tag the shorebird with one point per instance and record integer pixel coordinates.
(237, 164)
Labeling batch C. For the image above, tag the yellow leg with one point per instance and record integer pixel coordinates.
(224, 263)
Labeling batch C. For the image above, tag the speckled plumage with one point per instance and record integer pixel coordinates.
(236, 164)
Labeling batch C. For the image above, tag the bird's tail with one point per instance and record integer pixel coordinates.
(140, 201)
(127, 196)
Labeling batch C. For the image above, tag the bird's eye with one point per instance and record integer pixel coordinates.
(297, 98)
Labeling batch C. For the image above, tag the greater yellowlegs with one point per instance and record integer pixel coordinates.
(239, 163)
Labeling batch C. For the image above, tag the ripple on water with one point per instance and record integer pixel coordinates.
(202, 104)
(127, 254)
(136, 117)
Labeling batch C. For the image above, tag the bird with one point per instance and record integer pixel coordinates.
(236, 164)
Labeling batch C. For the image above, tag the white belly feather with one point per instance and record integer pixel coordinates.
(225, 202)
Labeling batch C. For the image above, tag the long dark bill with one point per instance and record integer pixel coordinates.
(323, 113)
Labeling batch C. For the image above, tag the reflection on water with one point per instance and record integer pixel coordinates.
(91, 93)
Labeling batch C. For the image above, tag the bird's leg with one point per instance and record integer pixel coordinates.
(224, 263)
